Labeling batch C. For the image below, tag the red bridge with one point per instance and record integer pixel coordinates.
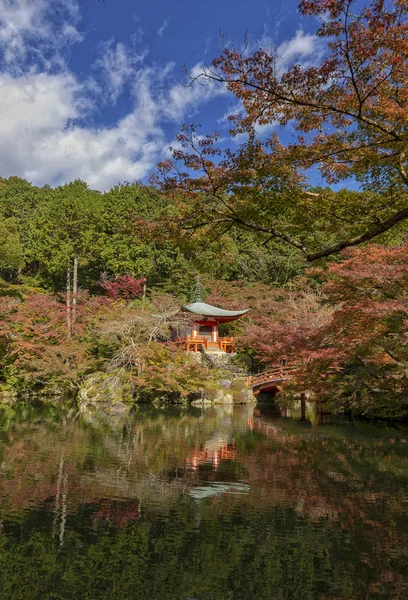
(269, 380)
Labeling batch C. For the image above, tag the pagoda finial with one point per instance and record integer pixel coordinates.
(197, 295)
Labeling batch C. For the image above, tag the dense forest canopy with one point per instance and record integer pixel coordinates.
(44, 228)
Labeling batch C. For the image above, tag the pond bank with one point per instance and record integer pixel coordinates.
(115, 392)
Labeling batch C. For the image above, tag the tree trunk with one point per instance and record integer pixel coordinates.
(303, 406)
(284, 411)
(69, 314)
(74, 292)
(319, 412)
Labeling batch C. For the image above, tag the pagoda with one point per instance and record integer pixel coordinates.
(203, 334)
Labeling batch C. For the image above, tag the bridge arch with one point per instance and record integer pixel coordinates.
(272, 379)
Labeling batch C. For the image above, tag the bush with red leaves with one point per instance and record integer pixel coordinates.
(124, 287)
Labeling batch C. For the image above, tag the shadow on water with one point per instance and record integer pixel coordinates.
(185, 503)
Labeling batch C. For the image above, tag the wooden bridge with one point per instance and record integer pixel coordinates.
(269, 380)
(273, 378)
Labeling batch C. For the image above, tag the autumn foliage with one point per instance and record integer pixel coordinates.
(124, 287)
(349, 116)
(34, 338)
(345, 327)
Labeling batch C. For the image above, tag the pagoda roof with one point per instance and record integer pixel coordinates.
(206, 310)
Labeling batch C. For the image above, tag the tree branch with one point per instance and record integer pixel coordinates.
(365, 237)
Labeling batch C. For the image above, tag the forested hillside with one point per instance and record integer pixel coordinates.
(124, 259)
(75, 265)
(43, 229)
(324, 269)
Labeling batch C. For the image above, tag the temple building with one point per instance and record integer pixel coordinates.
(204, 335)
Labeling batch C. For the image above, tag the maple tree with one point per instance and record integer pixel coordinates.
(349, 339)
(171, 373)
(283, 322)
(350, 115)
(344, 326)
(125, 287)
(34, 343)
(367, 336)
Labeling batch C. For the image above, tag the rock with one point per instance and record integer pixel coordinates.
(222, 398)
(246, 396)
(119, 407)
(225, 383)
(109, 392)
(229, 392)
(8, 396)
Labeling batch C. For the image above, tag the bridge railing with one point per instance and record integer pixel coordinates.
(278, 373)
(281, 373)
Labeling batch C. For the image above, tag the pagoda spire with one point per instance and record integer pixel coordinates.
(197, 290)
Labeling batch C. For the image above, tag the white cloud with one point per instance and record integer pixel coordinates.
(36, 27)
(163, 27)
(38, 101)
(41, 138)
(117, 66)
(46, 110)
(183, 97)
(299, 49)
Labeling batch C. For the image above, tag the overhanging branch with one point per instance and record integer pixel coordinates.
(365, 237)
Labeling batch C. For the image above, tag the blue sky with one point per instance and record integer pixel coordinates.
(95, 90)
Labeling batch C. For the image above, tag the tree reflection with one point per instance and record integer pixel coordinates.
(214, 504)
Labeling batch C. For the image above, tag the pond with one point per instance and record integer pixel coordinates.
(191, 504)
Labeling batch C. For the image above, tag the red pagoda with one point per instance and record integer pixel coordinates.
(203, 335)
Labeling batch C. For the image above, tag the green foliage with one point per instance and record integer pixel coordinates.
(170, 374)
(11, 249)
(108, 233)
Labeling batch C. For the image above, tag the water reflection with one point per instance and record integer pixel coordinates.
(208, 504)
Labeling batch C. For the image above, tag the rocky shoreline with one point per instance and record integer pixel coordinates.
(114, 393)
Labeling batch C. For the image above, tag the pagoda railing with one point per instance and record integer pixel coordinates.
(226, 344)
(195, 344)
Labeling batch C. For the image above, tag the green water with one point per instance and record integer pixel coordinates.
(177, 504)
